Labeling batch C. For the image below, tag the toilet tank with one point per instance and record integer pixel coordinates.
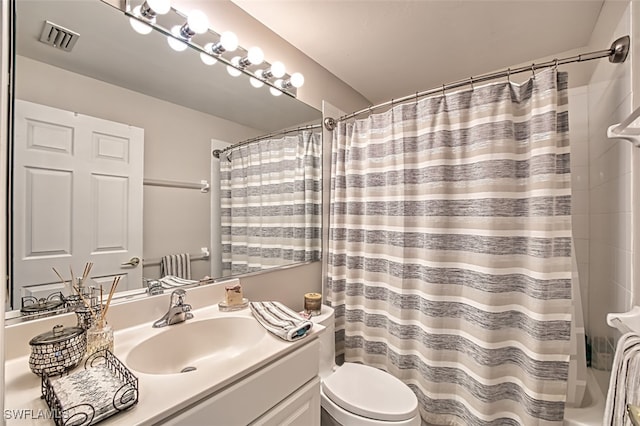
(327, 340)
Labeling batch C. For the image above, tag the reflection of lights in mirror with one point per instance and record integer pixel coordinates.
(255, 82)
(234, 70)
(144, 18)
(175, 42)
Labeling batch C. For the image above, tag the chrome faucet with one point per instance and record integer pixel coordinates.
(178, 310)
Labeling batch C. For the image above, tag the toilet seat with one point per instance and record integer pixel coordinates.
(371, 393)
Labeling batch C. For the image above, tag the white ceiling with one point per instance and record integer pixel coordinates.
(392, 48)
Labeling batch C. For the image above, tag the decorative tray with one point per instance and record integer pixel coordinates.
(84, 397)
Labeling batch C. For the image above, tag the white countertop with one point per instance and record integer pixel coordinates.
(159, 394)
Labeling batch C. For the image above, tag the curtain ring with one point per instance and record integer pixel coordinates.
(416, 98)
(555, 65)
(443, 92)
(509, 75)
(471, 82)
(533, 70)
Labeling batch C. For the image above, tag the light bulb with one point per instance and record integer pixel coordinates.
(198, 22)
(255, 55)
(160, 7)
(207, 59)
(229, 41)
(297, 79)
(255, 82)
(277, 69)
(139, 26)
(274, 91)
(175, 44)
(234, 72)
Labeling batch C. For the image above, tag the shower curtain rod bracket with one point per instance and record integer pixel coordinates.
(620, 50)
(330, 123)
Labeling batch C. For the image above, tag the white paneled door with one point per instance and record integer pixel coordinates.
(77, 197)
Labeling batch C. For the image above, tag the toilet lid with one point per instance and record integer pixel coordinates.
(369, 392)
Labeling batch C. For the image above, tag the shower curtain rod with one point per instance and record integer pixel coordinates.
(617, 53)
(217, 152)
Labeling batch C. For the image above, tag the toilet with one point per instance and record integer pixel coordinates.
(359, 395)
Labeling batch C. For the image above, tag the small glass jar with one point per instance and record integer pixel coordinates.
(86, 318)
(99, 337)
(312, 303)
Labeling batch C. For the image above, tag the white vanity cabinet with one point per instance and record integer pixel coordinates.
(283, 392)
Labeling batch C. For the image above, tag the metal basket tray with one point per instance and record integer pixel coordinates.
(103, 388)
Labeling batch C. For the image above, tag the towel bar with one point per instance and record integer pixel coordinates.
(623, 131)
(203, 186)
(204, 255)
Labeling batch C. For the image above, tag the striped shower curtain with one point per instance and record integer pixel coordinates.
(271, 204)
(449, 253)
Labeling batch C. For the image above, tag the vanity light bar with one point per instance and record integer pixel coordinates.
(250, 62)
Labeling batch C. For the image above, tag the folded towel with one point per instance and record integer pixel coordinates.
(178, 265)
(170, 281)
(624, 387)
(280, 320)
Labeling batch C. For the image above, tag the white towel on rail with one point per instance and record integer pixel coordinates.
(280, 320)
(624, 386)
(178, 265)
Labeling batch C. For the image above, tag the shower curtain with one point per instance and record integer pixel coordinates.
(449, 252)
(270, 193)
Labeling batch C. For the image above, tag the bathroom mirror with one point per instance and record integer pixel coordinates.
(184, 107)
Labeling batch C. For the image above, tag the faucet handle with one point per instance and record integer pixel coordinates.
(186, 308)
(180, 295)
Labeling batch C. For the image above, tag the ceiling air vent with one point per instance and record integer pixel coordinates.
(57, 36)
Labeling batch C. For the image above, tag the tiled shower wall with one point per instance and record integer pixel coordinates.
(579, 134)
(604, 247)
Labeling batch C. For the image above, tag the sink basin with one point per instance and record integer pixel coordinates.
(191, 345)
